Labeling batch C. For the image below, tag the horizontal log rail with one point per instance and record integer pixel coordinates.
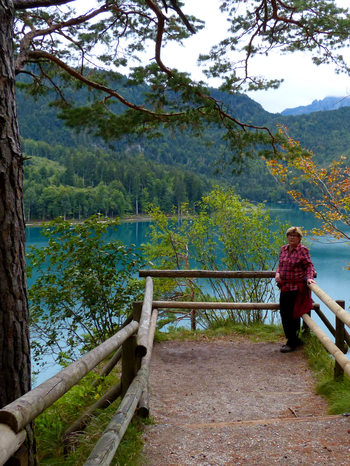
(214, 305)
(9, 442)
(26, 408)
(206, 274)
(16, 415)
(342, 318)
(339, 356)
(331, 304)
(106, 447)
(329, 325)
(69, 436)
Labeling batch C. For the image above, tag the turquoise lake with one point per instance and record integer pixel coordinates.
(330, 260)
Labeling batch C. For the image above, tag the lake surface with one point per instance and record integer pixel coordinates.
(330, 260)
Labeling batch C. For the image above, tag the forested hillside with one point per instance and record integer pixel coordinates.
(79, 182)
(76, 174)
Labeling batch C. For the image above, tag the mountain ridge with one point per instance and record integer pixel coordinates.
(329, 103)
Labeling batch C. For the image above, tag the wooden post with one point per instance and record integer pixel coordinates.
(130, 363)
(339, 341)
(136, 310)
(193, 320)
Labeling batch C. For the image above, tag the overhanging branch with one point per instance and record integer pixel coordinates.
(27, 4)
(38, 55)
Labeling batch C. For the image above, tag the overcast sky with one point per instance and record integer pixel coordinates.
(303, 81)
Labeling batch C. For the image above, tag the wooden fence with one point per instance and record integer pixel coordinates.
(342, 338)
(135, 341)
(133, 344)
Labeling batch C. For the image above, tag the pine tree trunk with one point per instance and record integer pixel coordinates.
(15, 378)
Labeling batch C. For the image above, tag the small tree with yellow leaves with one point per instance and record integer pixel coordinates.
(323, 191)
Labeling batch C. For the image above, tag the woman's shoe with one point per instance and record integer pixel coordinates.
(287, 349)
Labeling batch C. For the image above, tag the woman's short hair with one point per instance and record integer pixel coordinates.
(294, 231)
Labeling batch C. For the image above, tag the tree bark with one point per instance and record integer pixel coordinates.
(15, 371)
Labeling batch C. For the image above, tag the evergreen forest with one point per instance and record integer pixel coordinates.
(76, 174)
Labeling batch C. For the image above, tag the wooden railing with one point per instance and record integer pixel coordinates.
(135, 341)
(133, 344)
(342, 337)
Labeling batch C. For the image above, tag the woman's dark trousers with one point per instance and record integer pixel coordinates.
(291, 326)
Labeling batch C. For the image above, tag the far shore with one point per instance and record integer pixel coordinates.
(128, 218)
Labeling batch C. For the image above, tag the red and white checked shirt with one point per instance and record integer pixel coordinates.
(294, 266)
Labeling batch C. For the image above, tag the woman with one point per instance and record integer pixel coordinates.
(294, 272)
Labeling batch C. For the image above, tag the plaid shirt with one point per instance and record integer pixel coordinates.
(294, 266)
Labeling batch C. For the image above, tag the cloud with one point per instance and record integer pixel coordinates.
(303, 81)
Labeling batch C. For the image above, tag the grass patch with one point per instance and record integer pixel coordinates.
(337, 392)
(256, 332)
(130, 448)
(51, 425)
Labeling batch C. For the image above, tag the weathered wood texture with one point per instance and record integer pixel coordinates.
(131, 363)
(339, 341)
(23, 410)
(143, 331)
(340, 357)
(109, 366)
(206, 274)
(185, 307)
(106, 447)
(329, 326)
(213, 305)
(105, 401)
(143, 408)
(10, 442)
(331, 304)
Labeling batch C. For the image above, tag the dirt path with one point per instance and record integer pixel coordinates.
(222, 402)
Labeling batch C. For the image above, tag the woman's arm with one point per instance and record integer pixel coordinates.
(309, 267)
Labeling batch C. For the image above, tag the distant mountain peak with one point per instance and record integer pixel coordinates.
(327, 104)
